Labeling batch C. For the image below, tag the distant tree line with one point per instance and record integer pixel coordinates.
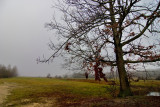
(7, 72)
(147, 75)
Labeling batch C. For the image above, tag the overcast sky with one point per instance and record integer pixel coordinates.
(23, 37)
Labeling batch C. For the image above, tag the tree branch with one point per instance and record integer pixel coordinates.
(142, 61)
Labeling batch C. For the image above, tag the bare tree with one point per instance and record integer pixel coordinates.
(108, 32)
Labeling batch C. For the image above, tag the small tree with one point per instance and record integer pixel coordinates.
(14, 72)
(108, 32)
(48, 75)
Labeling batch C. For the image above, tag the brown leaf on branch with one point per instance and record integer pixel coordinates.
(67, 46)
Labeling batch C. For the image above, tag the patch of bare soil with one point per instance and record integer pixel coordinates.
(46, 103)
(5, 89)
(128, 102)
(118, 102)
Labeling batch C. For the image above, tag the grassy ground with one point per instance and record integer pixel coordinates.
(45, 92)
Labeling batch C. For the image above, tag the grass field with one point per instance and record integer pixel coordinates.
(45, 92)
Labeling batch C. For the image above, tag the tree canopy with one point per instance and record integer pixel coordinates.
(98, 33)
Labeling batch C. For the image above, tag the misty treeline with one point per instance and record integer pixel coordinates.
(7, 72)
(141, 75)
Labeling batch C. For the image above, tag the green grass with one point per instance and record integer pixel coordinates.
(142, 88)
(37, 88)
(65, 92)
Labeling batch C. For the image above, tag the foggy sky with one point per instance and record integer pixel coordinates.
(23, 37)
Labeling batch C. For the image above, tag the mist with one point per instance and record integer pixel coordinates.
(23, 37)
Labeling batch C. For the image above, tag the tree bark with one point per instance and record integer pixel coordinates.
(124, 83)
(102, 75)
(97, 76)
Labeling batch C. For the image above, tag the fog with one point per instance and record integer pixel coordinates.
(23, 37)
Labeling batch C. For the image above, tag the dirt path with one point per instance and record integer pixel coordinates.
(5, 89)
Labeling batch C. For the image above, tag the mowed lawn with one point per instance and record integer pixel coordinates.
(46, 92)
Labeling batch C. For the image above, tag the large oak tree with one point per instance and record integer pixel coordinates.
(108, 32)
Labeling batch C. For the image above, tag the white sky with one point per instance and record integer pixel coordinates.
(23, 37)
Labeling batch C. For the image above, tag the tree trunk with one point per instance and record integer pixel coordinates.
(97, 76)
(124, 84)
(102, 75)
